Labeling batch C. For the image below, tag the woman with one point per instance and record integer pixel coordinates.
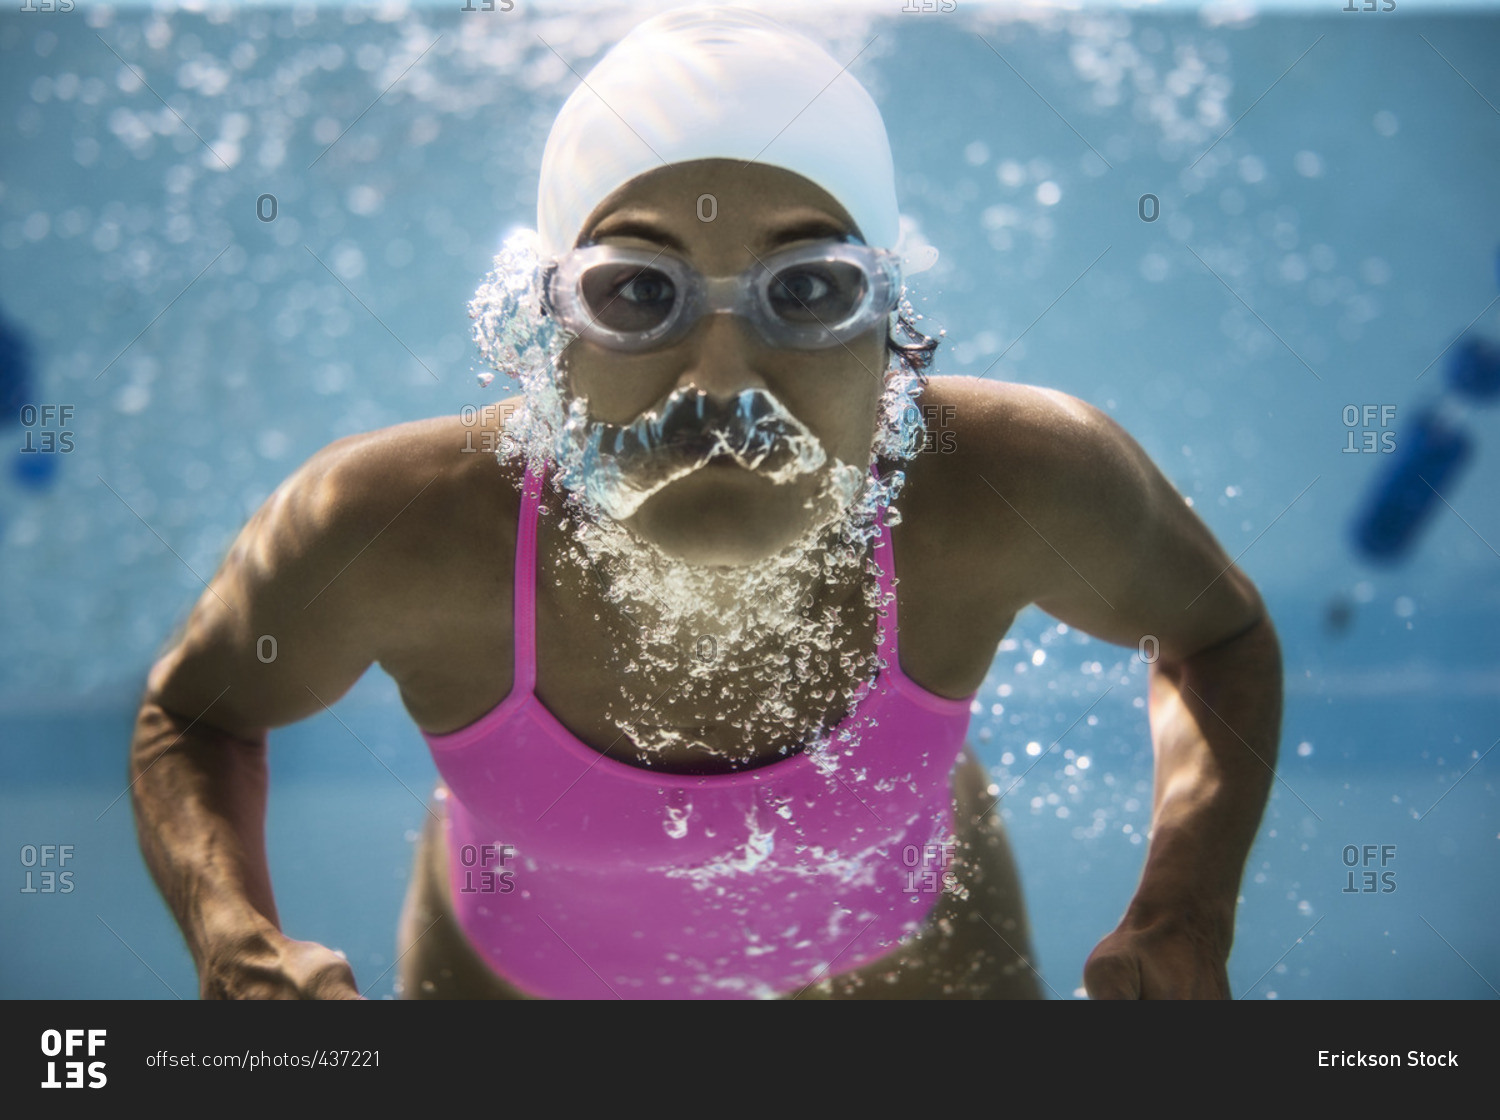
(694, 741)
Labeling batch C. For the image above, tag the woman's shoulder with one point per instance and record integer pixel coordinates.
(1029, 434)
(982, 403)
(1004, 461)
(415, 480)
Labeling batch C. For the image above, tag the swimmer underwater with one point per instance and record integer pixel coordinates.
(683, 716)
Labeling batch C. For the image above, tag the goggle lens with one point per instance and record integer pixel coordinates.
(628, 298)
(826, 292)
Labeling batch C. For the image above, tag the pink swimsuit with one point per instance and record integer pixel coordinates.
(576, 876)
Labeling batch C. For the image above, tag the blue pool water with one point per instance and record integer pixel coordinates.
(1323, 254)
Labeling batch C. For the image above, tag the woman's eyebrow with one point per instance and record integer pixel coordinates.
(803, 228)
(642, 228)
(813, 228)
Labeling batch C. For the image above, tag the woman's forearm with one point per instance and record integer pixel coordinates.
(200, 801)
(1215, 724)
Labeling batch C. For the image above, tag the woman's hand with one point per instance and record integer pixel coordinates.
(1171, 958)
(269, 965)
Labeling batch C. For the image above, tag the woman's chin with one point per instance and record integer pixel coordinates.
(723, 515)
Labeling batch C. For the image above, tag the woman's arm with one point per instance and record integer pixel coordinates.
(1095, 535)
(276, 636)
(200, 804)
(1215, 724)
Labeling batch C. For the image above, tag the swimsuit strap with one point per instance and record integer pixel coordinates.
(524, 581)
(885, 558)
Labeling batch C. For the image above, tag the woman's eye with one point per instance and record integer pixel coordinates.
(801, 287)
(628, 299)
(826, 293)
(649, 287)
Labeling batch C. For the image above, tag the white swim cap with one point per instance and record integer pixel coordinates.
(709, 83)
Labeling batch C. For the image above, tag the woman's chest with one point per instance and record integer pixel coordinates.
(719, 690)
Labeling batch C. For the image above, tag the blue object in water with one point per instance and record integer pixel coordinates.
(1474, 368)
(34, 469)
(1431, 455)
(15, 373)
(1428, 459)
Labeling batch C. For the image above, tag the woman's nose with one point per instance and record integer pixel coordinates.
(726, 356)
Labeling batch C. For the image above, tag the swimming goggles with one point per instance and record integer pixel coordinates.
(806, 297)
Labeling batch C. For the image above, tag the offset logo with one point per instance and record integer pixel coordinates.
(490, 881)
(929, 880)
(42, 863)
(67, 1044)
(1368, 880)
